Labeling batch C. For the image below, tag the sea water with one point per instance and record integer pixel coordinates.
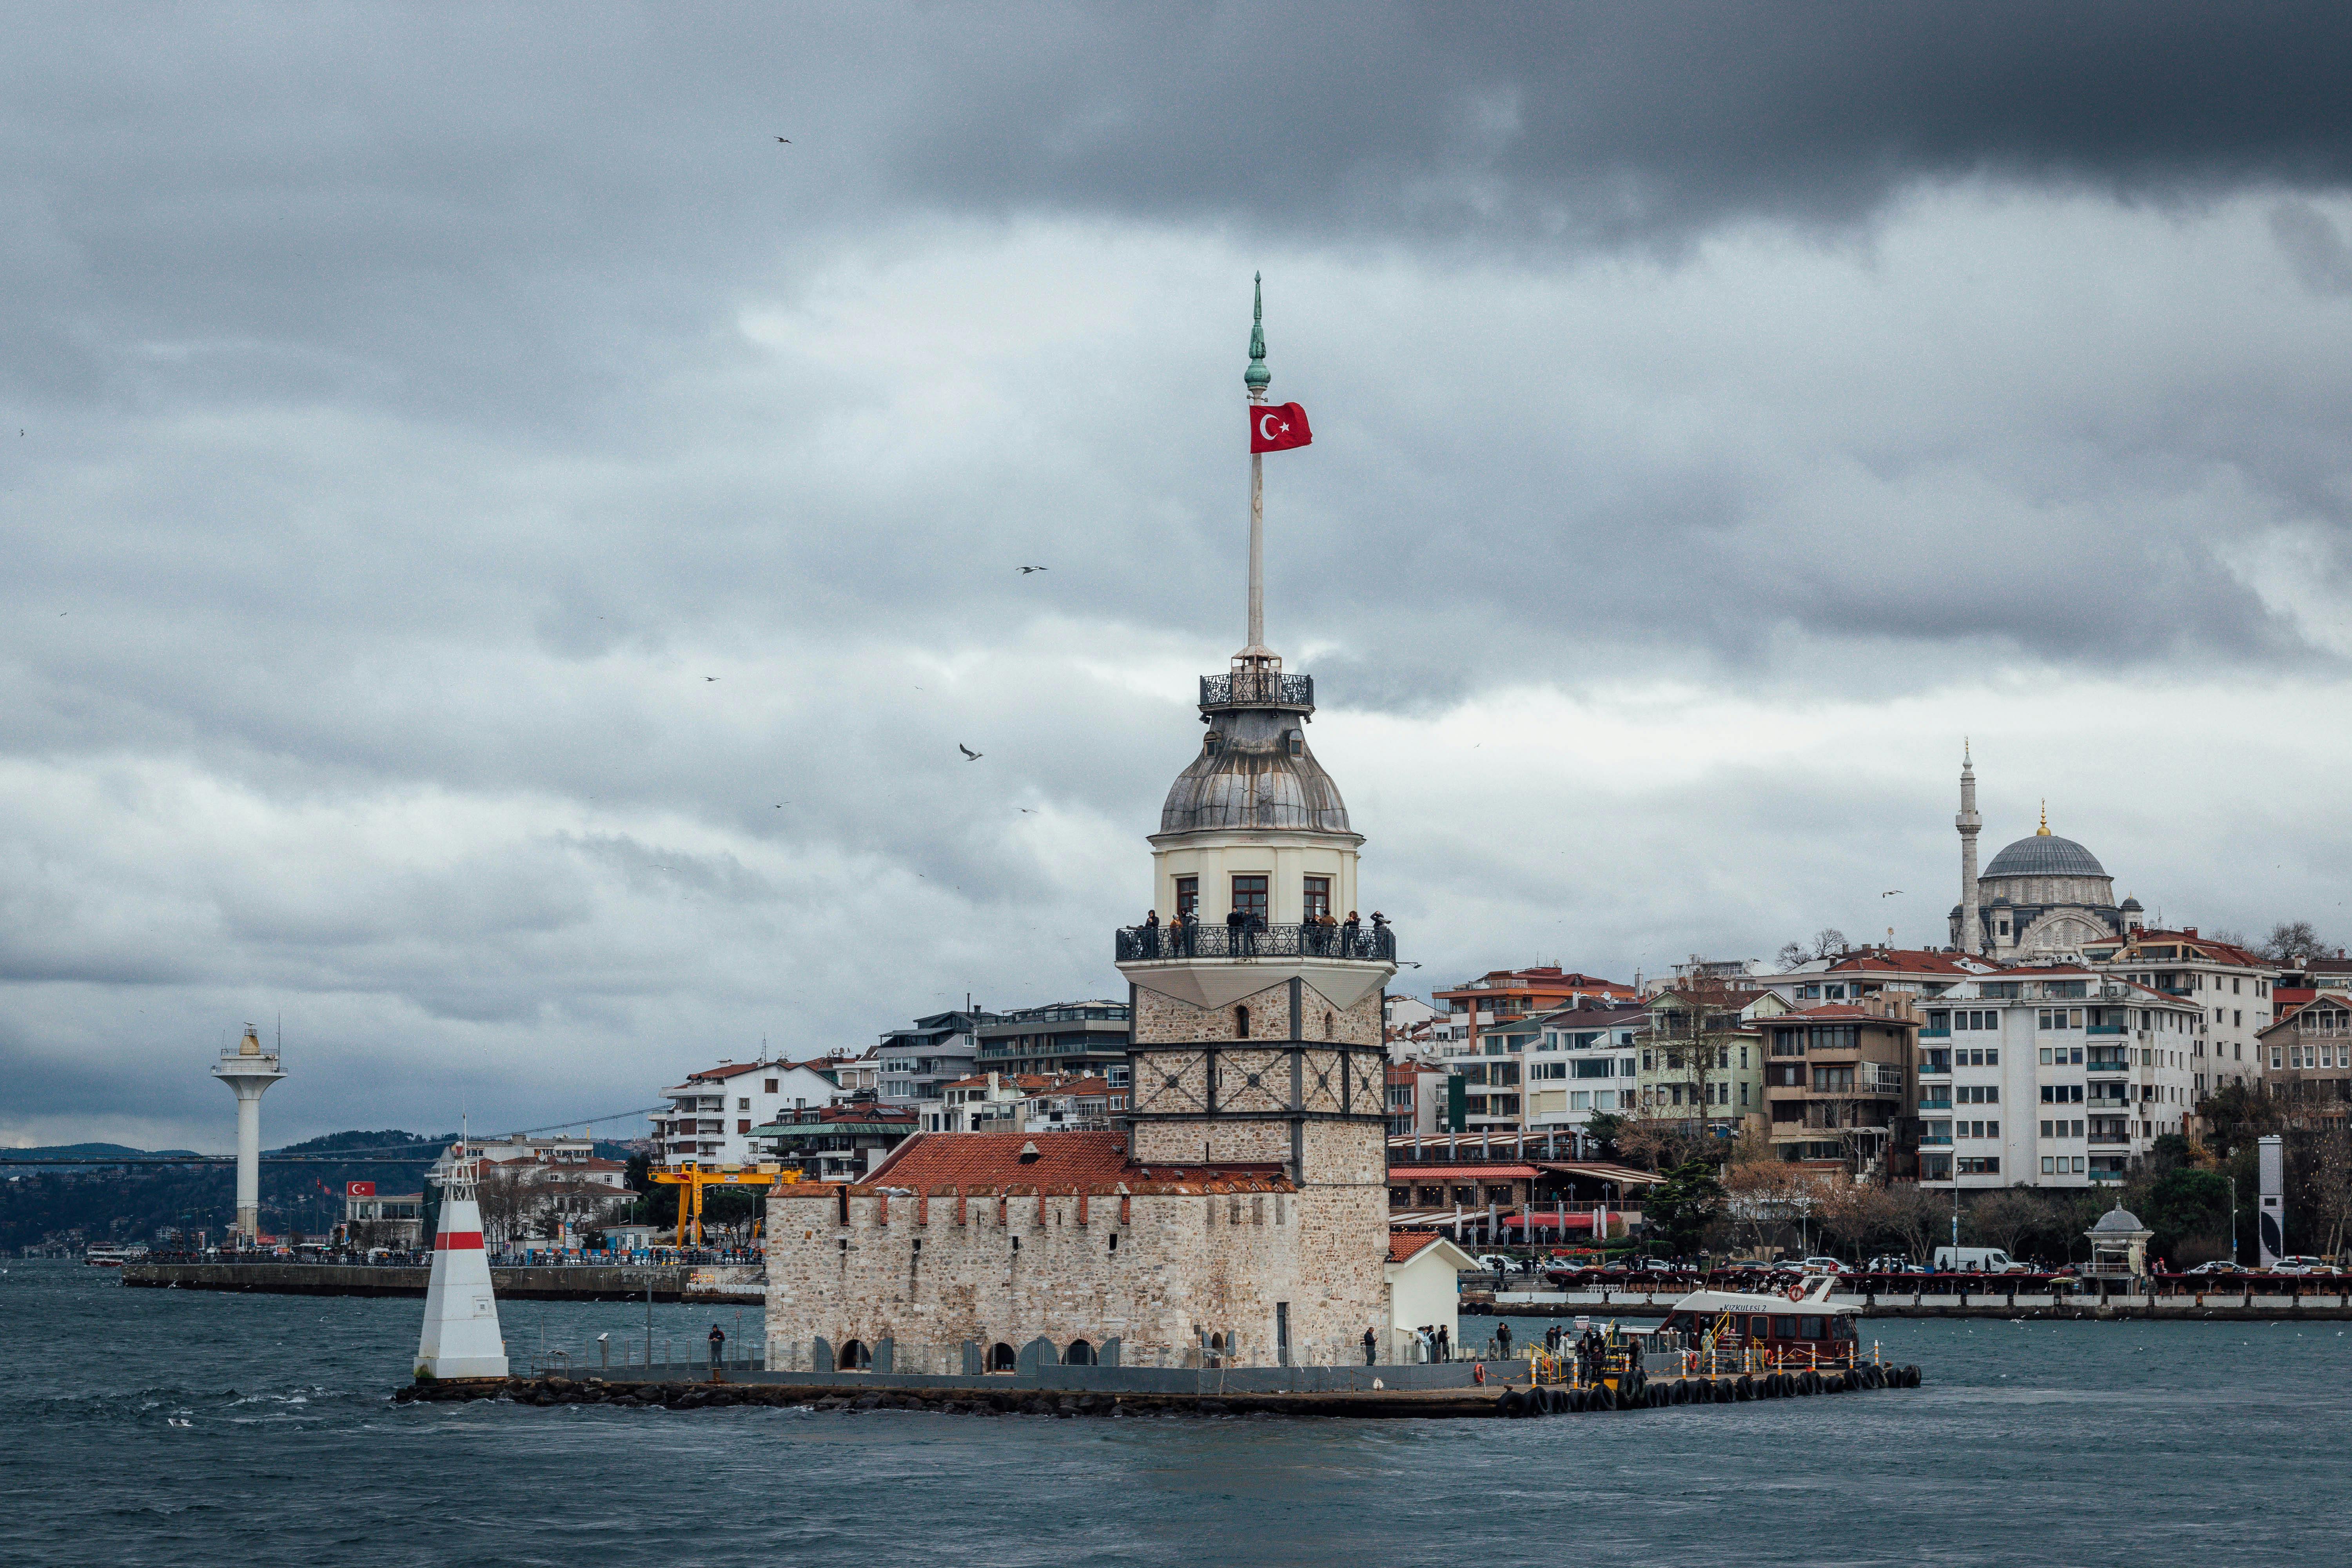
(188, 1427)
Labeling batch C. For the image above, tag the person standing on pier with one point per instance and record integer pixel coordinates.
(1371, 1345)
(718, 1345)
(1503, 1339)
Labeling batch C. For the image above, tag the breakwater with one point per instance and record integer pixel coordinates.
(1496, 1399)
(735, 1283)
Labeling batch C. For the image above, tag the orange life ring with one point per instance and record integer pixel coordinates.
(1796, 1292)
(1478, 1373)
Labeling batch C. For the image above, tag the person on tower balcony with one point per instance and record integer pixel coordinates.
(1350, 930)
(1379, 934)
(1235, 922)
(1150, 933)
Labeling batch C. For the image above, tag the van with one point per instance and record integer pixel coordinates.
(1976, 1260)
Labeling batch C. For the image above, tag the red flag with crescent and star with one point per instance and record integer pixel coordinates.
(1278, 428)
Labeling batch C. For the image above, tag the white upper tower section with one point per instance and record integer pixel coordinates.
(248, 1070)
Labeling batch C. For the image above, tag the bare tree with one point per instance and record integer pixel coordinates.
(1999, 1218)
(2330, 1188)
(1854, 1213)
(1762, 1195)
(2291, 939)
(1919, 1217)
(1791, 954)
(1828, 942)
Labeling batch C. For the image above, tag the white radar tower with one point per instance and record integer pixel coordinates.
(248, 1070)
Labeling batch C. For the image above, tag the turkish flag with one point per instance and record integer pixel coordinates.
(1278, 428)
(358, 1189)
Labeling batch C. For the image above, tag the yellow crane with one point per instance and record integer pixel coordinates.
(691, 1176)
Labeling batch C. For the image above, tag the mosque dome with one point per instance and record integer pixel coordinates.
(2045, 855)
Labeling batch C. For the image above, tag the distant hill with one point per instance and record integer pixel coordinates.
(86, 1151)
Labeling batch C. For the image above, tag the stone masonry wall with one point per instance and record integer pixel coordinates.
(1184, 1264)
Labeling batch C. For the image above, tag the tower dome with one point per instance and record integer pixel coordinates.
(1255, 770)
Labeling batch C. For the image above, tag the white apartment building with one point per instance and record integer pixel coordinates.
(2231, 985)
(2056, 1076)
(1585, 1061)
(710, 1116)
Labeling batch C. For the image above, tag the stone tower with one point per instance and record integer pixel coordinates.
(1969, 937)
(1259, 1042)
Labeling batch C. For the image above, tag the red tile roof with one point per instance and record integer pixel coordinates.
(1405, 1246)
(1909, 961)
(1064, 1160)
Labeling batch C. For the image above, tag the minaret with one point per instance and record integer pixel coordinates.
(1258, 1041)
(248, 1071)
(1971, 937)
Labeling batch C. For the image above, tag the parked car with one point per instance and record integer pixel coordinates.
(2302, 1264)
(2219, 1265)
(1494, 1263)
(1823, 1266)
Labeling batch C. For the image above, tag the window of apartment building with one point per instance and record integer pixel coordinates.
(743, 1124)
(772, 1087)
(1317, 897)
(1977, 1094)
(1834, 1080)
(1788, 1042)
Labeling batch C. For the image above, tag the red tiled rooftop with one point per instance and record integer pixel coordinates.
(1406, 1244)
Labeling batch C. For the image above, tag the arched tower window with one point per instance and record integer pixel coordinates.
(1241, 1023)
(1329, 1029)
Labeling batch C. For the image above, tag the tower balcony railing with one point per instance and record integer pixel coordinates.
(1257, 688)
(1367, 944)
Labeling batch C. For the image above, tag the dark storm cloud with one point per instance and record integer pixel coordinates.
(1631, 121)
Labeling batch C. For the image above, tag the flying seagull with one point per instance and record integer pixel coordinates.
(969, 754)
(785, 140)
(1026, 570)
(1890, 892)
(709, 678)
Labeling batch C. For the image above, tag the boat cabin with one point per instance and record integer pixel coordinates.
(1802, 1326)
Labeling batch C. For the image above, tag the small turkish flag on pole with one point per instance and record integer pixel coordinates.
(1278, 428)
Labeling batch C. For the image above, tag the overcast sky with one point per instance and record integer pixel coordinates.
(1719, 411)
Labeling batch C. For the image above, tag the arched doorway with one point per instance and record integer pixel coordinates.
(1001, 1357)
(1080, 1353)
(853, 1356)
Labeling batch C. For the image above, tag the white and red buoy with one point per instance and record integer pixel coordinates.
(461, 1335)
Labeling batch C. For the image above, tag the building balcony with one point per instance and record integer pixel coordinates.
(1936, 1139)
(1929, 1105)
(2108, 1029)
(1258, 689)
(1143, 945)
(1936, 1033)
(2107, 1067)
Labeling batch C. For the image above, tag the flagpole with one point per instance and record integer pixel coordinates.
(1256, 379)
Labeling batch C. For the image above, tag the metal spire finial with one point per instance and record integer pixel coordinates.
(1257, 375)
(2044, 831)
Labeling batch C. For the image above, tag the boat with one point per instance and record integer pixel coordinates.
(1742, 1331)
(105, 1256)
